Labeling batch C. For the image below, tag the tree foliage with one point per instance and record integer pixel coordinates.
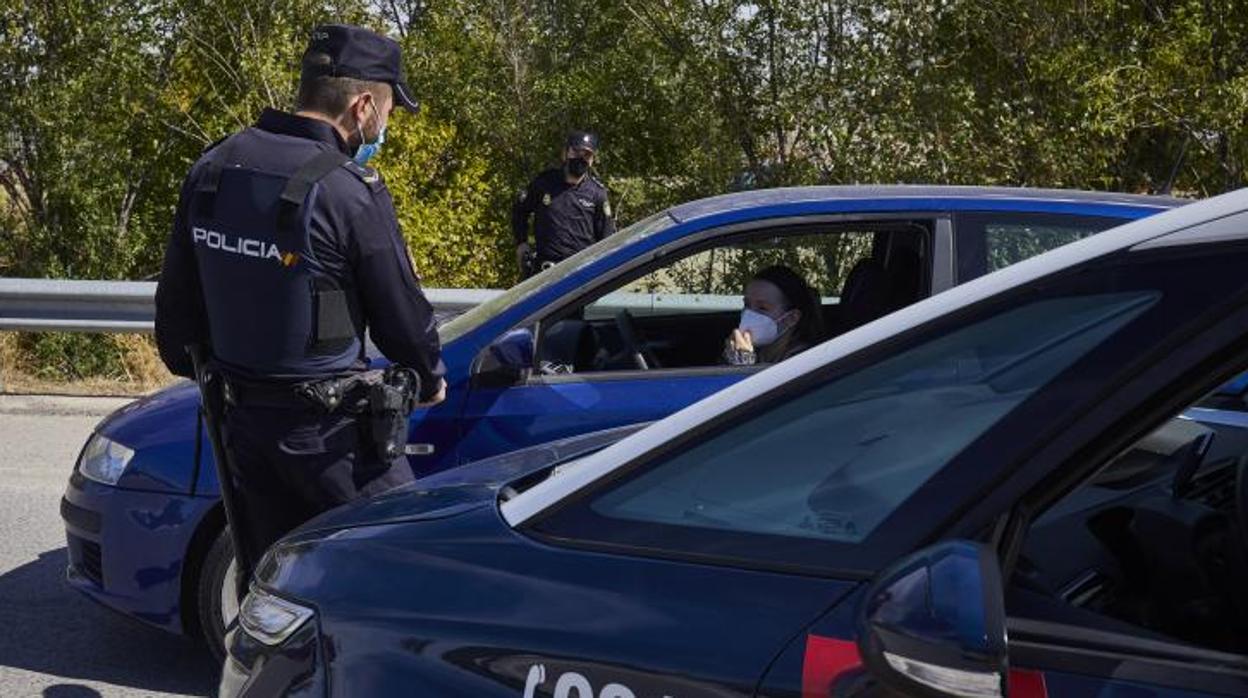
(109, 101)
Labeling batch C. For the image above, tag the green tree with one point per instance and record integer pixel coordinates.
(108, 102)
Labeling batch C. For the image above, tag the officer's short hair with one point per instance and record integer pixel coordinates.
(332, 95)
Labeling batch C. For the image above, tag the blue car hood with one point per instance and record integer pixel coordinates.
(460, 489)
(136, 424)
(160, 428)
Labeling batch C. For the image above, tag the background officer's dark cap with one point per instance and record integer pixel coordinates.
(582, 139)
(355, 52)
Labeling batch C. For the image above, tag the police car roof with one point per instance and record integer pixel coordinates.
(1221, 218)
(791, 195)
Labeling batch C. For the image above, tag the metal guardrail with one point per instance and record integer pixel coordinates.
(61, 305)
(58, 305)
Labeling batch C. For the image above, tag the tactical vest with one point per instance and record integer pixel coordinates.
(272, 308)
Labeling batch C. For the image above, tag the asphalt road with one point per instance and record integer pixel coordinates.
(53, 641)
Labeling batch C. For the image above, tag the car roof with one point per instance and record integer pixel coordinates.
(945, 194)
(1217, 219)
(675, 223)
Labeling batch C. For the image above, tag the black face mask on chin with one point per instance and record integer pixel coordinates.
(577, 167)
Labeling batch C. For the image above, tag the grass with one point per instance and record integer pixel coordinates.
(137, 371)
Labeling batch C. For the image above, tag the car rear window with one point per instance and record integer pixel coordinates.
(994, 240)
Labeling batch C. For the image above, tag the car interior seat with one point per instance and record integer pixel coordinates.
(905, 278)
(866, 295)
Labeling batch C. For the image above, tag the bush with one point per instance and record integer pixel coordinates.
(116, 363)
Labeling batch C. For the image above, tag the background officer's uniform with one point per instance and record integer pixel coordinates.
(283, 250)
(567, 218)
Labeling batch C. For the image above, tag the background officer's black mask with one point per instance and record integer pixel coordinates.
(577, 167)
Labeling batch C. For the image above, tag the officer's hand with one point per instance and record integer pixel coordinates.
(437, 397)
(521, 250)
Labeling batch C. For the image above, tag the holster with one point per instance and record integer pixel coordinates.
(386, 396)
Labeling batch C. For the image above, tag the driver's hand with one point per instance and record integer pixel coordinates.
(437, 397)
(741, 341)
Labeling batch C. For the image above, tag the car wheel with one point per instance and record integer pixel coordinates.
(216, 599)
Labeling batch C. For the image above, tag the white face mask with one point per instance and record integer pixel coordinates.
(763, 330)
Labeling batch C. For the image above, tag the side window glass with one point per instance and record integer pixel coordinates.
(990, 241)
(1152, 545)
(680, 314)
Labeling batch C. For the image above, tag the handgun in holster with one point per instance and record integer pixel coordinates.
(387, 396)
(390, 402)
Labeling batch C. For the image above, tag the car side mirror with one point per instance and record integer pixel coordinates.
(507, 361)
(934, 624)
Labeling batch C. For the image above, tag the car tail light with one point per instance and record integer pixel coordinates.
(828, 660)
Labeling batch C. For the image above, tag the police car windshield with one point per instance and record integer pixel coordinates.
(480, 314)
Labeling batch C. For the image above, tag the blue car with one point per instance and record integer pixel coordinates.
(627, 332)
(992, 492)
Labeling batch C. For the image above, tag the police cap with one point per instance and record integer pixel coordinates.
(582, 139)
(355, 52)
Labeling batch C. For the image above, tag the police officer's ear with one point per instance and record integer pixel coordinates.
(359, 110)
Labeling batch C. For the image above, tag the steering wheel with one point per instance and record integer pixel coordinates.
(636, 347)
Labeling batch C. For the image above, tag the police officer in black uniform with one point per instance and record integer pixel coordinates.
(285, 248)
(568, 206)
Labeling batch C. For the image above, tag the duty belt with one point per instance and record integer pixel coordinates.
(245, 393)
(386, 397)
(343, 393)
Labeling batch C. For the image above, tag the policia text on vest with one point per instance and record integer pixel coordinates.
(244, 246)
(285, 250)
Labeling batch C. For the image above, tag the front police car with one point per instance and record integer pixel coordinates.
(281, 642)
(278, 643)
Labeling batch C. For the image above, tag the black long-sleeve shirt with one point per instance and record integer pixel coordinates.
(567, 218)
(354, 234)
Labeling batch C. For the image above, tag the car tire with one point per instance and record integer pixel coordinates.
(215, 597)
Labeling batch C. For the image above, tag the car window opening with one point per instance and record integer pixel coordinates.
(679, 314)
(1154, 544)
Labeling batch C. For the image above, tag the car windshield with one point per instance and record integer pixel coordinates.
(481, 313)
(835, 462)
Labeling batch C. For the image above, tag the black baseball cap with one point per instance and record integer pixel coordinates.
(355, 52)
(582, 139)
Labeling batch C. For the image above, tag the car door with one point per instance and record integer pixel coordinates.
(1072, 634)
(1166, 342)
(650, 341)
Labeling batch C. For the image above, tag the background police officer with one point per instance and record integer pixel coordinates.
(568, 206)
(285, 247)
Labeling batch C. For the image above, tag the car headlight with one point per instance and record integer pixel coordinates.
(271, 619)
(104, 460)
